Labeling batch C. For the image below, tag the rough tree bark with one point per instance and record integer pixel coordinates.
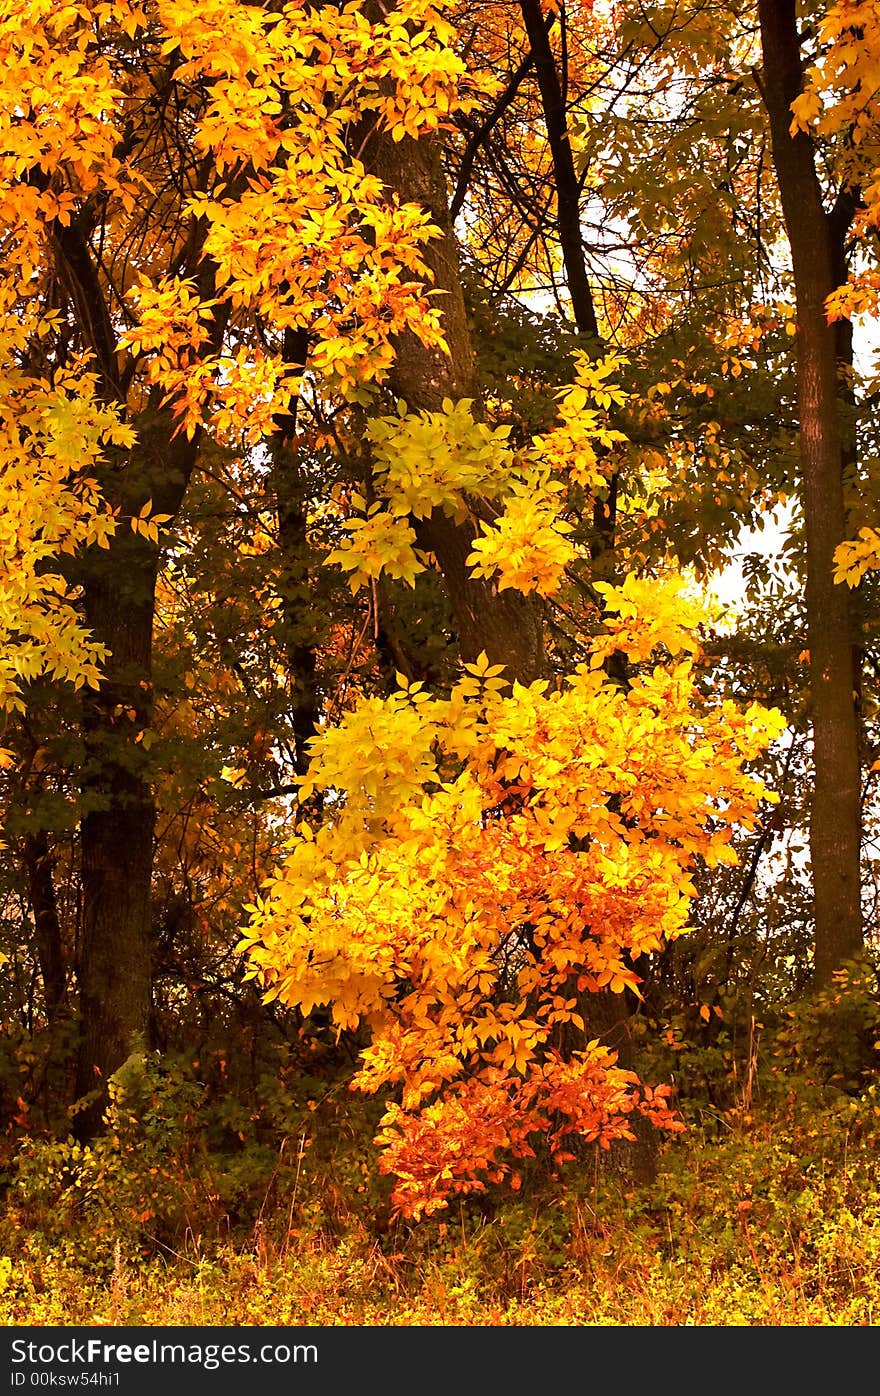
(118, 591)
(114, 970)
(506, 624)
(816, 239)
(116, 827)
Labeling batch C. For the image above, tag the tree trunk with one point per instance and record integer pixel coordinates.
(568, 202)
(606, 1015)
(568, 232)
(835, 825)
(299, 639)
(47, 930)
(114, 970)
(506, 624)
(116, 833)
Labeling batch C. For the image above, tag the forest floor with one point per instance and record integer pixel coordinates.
(763, 1224)
(207, 1205)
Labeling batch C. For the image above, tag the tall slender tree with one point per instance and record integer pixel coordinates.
(816, 234)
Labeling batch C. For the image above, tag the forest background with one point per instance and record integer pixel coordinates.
(419, 901)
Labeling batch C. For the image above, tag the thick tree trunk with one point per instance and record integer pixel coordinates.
(506, 624)
(117, 829)
(114, 970)
(836, 817)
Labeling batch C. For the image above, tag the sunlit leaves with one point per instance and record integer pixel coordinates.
(572, 447)
(432, 460)
(52, 436)
(299, 235)
(650, 613)
(854, 558)
(839, 104)
(146, 523)
(426, 461)
(527, 547)
(492, 857)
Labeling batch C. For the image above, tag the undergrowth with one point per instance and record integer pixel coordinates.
(199, 1208)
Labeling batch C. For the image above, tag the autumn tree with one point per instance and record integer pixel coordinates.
(743, 147)
(817, 233)
(438, 466)
(242, 370)
(178, 192)
(584, 810)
